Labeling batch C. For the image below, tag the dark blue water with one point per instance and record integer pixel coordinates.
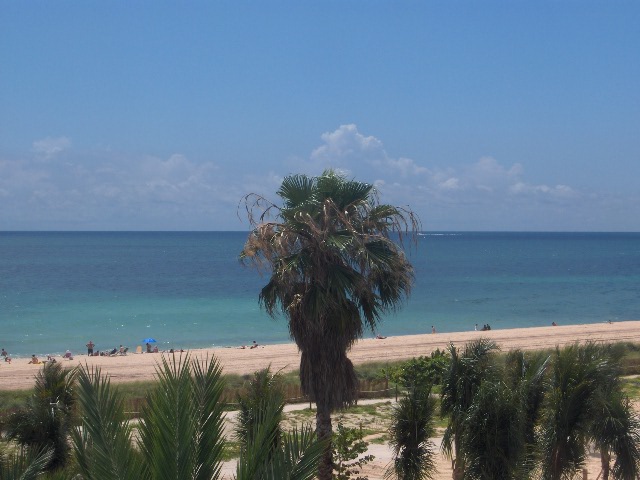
(187, 289)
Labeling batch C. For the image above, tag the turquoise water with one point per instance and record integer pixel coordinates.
(187, 289)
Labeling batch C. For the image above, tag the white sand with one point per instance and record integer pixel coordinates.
(20, 375)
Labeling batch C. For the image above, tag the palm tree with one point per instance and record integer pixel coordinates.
(45, 421)
(334, 270)
(525, 374)
(585, 403)
(180, 431)
(493, 439)
(264, 389)
(616, 432)
(461, 381)
(411, 427)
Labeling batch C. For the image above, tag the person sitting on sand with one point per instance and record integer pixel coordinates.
(554, 324)
(34, 360)
(67, 355)
(255, 345)
(50, 359)
(155, 349)
(148, 347)
(380, 337)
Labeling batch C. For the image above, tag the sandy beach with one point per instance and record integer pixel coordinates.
(138, 367)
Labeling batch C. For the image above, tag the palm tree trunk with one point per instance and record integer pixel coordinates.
(323, 430)
(605, 458)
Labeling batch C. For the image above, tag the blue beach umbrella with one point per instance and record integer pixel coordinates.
(149, 340)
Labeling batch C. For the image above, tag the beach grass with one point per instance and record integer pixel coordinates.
(371, 375)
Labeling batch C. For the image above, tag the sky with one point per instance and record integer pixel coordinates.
(478, 115)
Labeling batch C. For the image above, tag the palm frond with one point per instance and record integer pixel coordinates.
(411, 427)
(102, 442)
(25, 466)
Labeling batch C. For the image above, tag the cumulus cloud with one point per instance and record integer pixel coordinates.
(483, 193)
(49, 147)
(348, 150)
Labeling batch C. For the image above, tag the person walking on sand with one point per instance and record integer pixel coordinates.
(90, 346)
(433, 329)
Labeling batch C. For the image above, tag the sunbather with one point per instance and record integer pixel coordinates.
(34, 360)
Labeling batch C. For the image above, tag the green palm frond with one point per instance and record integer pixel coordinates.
(466, 372)
(102, 443)
(493, 440)
(208, 386)
(296, 191)
(256, 454)
(582, 382)
(301, 453)
(180, 429)
(24, 466)
(264, 389)
(411, 427)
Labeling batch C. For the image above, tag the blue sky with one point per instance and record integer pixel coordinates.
(152, 115)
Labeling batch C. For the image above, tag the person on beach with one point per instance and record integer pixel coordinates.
(554, 324)
(90, 346)
(148, 347)
(380, 337)
(6, 356)
(34, 360)
(433, 329)
(475, 328)
(255, 345)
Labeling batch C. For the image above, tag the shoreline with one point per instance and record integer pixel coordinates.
(19, 374)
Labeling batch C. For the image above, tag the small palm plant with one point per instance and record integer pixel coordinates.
(180, 432)
(45, 421)
(264, 389)
(412, 425)
(467, 370)
(266, 451)
(585, 403)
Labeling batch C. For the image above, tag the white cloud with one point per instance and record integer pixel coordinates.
(49, 147)
(521, 188)
(450, 184)
(110, 190)
(348, 150)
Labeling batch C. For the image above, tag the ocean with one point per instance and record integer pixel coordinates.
(58, 290)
